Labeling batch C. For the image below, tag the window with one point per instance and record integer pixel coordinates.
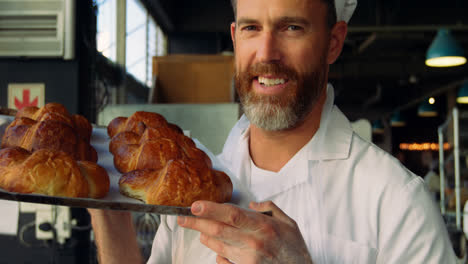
(106, 28)
(144, 38)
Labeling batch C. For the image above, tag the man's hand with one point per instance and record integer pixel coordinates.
(243, 236)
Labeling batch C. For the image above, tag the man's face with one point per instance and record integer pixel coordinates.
(281, 59)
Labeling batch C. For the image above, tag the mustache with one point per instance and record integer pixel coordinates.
(271, 68)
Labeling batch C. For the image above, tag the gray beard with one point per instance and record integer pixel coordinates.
(269, 116)
(280, 112)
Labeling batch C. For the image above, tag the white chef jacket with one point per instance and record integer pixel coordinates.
(353, 202)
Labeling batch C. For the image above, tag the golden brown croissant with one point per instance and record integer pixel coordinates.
(162, 165)
(149, 155)
(51, 172)
(152, 147)
(129, 137)
(154, 154)
(179, 183)
(31, 135)
(136, 123)
(58, 112)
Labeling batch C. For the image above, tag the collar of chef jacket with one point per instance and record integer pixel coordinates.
(332, 141)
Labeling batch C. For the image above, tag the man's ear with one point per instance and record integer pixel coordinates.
(337, 38)
(233, 34)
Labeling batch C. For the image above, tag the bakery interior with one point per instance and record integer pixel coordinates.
(108, 58)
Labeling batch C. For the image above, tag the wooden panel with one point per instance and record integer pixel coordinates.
(193, 79)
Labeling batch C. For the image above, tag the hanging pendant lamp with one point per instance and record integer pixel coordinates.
(445, 51)
(397, 120)
(427, 108)
(377, 127)
(462, 97)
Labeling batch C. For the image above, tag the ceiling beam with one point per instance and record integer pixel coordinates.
(384, 67)
(412, 28)
(435, 92)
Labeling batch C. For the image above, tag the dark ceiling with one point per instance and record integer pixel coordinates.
(382, 65)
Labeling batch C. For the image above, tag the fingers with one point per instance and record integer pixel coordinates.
(223, 250)
(206, 226)
(223, 239)
(222, 260)
(225, 213)
(221, 231)
(245, 253)
(270, 206)
(237, 234)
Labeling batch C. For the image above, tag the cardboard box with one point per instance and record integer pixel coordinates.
(193, 79)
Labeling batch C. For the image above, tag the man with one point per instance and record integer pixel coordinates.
(335, 198)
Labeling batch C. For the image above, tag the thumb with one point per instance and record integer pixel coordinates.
(270, 206)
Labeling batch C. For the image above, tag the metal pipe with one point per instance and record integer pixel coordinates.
(121, 46)
(441, 171)
(446, 123)
(147, 76)
(456, 157)
(69, 41)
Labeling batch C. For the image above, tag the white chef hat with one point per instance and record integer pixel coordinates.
(345, 9)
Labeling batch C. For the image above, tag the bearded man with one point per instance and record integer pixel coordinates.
(335, 198)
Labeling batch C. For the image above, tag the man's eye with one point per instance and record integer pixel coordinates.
(249, 28)
(294, 28)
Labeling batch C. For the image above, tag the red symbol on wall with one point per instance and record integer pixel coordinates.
(25, 101)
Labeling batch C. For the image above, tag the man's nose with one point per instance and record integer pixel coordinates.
(268, 48)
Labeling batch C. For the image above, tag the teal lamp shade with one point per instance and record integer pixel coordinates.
(397, 120)
(377, 127)
(426, 109)
(462, 97)
(445, 51)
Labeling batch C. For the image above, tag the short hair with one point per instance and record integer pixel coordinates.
(331, 11)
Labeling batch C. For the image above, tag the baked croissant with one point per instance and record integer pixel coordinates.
(154, 154)
(58, 112)
(50, 134)
(161, 165)
(129, 137)
(51, 172)
(152, 146)
(179, 183)
(136, 123)
(149, 155)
